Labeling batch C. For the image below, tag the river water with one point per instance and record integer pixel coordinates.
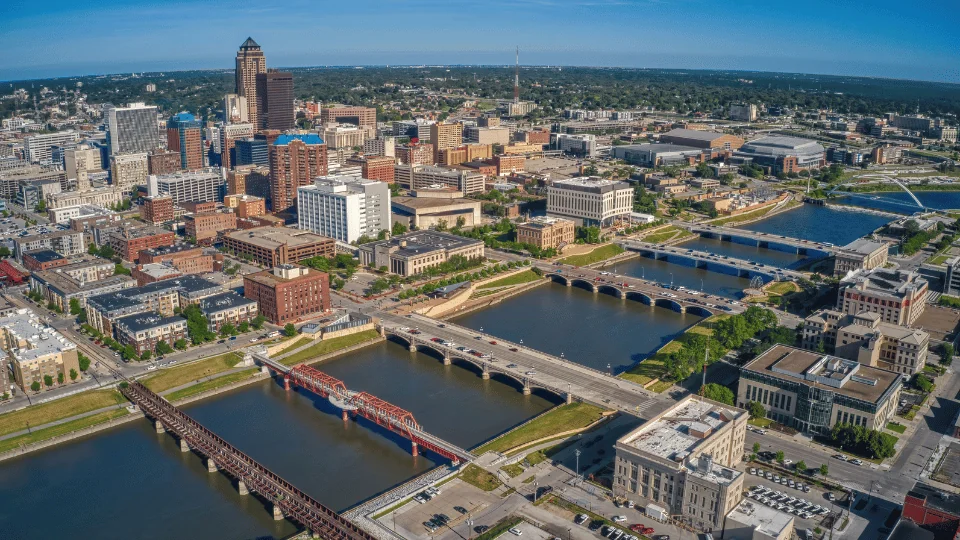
(132, 482)
(901, 202)
(820, 224)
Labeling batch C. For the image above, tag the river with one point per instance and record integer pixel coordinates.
(901, 202)
(131, 481)
(820, 224)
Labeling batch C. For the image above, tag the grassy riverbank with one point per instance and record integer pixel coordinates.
(517, 279)
(654, 367)
(665, 234)
(211, 384)
(57, 430)
(328, 346)
(601, 253)
(45, 413)
(180, 375)
(561, 419)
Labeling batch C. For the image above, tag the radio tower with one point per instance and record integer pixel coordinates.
(516, 80)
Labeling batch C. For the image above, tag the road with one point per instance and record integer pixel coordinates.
(709, 258)
(537, 367)
(759, 236)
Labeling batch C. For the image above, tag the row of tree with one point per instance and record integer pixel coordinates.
(460, 278)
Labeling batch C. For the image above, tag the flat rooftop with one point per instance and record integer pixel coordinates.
(863, 246)
(428, 203)
(223, 301)
(35, 339)
(696, 134)
(936, 498)
(884, 282)
(766, 521)
(274, 237)
(590, 183)
(44, 255)
(147, 321)
(678, 432)
(845, 377)
(420, 242)
(542, 222)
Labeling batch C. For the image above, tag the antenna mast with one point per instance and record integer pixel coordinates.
(516, 80)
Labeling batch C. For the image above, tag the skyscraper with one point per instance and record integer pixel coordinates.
(250, 62)
(132, 129)
(295, 160)
(183, 135)
(234, 109)
(275, 100)
(228, 137)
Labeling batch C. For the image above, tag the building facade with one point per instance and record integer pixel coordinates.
(144, 331)
(188, 186)
(132, 129)
(129, 170)
(272, 246)
(36, 351)
(250, 63)
(344, 208)
(546, 232)
(157, 210)
(411, 253)
(288, 292)
(590, 201)
(295, 160)
(275, 100)
(184, 135)
(898, 297)
(861, 254)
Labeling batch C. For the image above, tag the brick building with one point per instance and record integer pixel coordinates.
(272, 246)
(228, 308)
(157, 210)
(186, 258)
(378, 168)
(509, 164)
(295, 160)
(546, 232)
(205, 227)
(163, 162)
(246, 206)
(144, 331)
(129, 239)
(415, 154)
(929, 508)
(288, 292)
(43, 259)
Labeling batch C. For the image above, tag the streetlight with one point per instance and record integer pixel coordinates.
(576, 452)
(671, 280)
(643, 273)
(701, 285)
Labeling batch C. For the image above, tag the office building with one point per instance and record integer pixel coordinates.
(39, 148)
(102, 197)
(486, 135)
(250, 63)
(288, 292)
(589, 200)
(157, 210)
(684, 460)
(362, 117)
(144, 331)
(508, 165)
(897, 296)
(378, 168)
(246, 206)
(184, 136)
(228, 308)
(73, 281)
(129, 238)
(812, 392)
(187, 258)
(295, 160)
(415, 154)
(546, 232)
(228, 139)
(188, 186)
(129, 170)
(701, 139)
(65, 243)
(783, 154)
(463, 154)
(275, 100)
(132, 129)
(344, 208)
(10, 178)
(425, 211)
(163, 162)
(235, 109)
(251, 151)
(205, 227)
(866, 339)
(31, 192)
(272, 246)
(419, 177)
(658, 154)
(343, 136)
(80, 161)
(411, 253)
(445, 136)
(861, 254)
(36, 351)
(744, 113)
(381, 146)
(584, 145)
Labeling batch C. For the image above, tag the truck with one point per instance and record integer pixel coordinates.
(656, 512)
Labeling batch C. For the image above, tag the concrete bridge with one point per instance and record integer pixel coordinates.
(712, 261)
(527, 368)
(764, 240)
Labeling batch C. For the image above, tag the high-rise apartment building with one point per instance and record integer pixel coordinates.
(378, 168)
(445, 136)
(250, 63)
(132, 129)
(188, 186)
(344, 207)
(184, 136)
(295, 160)
(128, 170)
(228, 138)
(275, 100)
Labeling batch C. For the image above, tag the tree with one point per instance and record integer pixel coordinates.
(121, 270)
(4, 251)
(398, 229)
(163, 348)
(228, 330)
(48, 381)
(146, 355)
(756, 448)
(801, 466)
(779, 456)
(922, 382)
(73, 374)
(257, 322)
(180, 344)
(83, 361)
(756, 410)
(35, 386)
(824, 470)
(244, 327)
(106, 251)
(946, 353)
(74, 306)
(82, 317)
(197, 326)
(60, 378)
(289, 330)
(718, 392)
(128, 353)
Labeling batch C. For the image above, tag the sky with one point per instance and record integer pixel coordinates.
(881, 38)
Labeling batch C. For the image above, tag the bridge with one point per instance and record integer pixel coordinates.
(530, 369)
(251, 476)
(764, 240)
(641, 290)
(364, 404)
(712, 261)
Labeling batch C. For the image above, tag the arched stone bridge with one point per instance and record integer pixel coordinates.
(650, 298)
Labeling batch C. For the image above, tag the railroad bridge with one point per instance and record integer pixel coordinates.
(251, 476)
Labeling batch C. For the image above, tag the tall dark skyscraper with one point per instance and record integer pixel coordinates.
(275, 100)
(250, 63)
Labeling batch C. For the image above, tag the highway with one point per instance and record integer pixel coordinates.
(537, 368)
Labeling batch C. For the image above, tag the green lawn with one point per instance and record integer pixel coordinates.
(176, 376)
(653, 367)
(38, 415)
(939, 259)
(61, 429)
(512, 471)
(560, 419)
(899, 428)
(298, 343)
(783, 287)
(601, 253)
(211, 384)
(328, 346)
(665, 234)
(743, 217)
(760, 422)
(517, 279)
(480, 478)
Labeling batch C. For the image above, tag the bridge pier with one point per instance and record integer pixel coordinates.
(485, 375)
(526, 390)
(446, 359)
(184, 447)
(159, 426)
(569, 398)
(346, 416)
(413, 348)
(242, 488)
(414, 449)
(286, 382)
(277, 513)
(211, 466)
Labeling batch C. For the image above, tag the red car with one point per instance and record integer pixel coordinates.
(641, 528)
(493, 342)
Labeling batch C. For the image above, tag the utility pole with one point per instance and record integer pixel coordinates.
(516, 79)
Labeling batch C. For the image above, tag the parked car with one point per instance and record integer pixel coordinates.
(515, 531)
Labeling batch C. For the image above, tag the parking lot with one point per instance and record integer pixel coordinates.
(413, 516)
(801, 503)
(12, 228)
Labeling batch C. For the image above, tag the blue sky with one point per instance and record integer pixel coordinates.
(880, 38)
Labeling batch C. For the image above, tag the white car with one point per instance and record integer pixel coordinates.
(515, 531)
(619, 519)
